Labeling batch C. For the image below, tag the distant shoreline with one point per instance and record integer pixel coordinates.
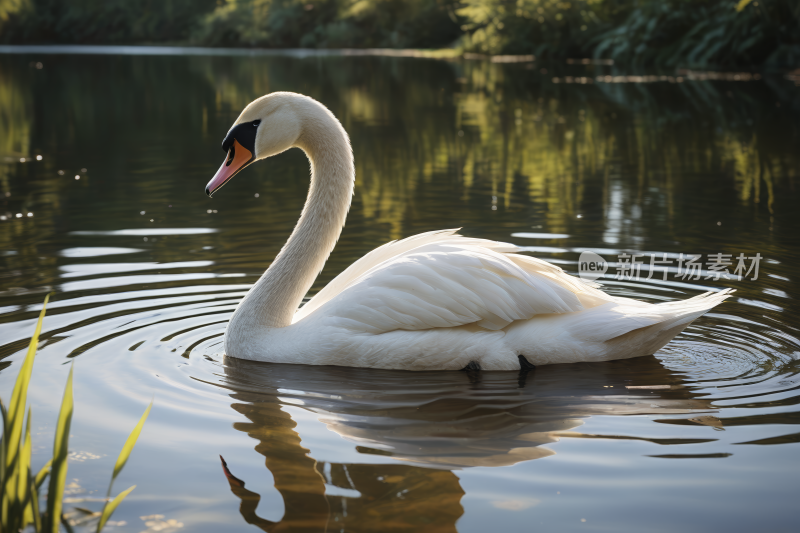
(146, 50)
(444, 54)
(664, 34)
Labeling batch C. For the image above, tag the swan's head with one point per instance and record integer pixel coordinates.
(267, 126)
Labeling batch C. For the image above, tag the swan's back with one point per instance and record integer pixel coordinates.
(440, 280)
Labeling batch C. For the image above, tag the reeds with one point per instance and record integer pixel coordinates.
(19, 487)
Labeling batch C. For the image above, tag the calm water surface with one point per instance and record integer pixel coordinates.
(702, 436)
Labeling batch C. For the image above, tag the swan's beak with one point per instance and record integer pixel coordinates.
(238, 158)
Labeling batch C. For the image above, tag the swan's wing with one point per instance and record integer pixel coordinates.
(450, 281)
(385, 253)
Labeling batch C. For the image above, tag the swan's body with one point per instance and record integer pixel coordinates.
(435, 301)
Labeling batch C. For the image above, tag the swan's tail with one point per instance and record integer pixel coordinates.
(618, 329)
(671, 319)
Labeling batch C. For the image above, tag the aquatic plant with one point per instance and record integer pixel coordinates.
(19, 487)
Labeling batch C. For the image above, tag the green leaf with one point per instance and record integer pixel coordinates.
(16, 409)
(43, 474)
(12, 434)
(111, 506)
(127, 448)
(58, 476)
(24, 477)
(3, 475)
(742, 4)
(129, 444)
(37, 516)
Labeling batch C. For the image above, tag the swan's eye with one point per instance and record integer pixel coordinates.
(256, 123)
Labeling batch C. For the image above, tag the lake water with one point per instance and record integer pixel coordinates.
(559, 159)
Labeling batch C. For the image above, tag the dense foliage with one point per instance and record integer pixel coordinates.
(100, 21)
(665, 32)
(331, 24)
(646, 32)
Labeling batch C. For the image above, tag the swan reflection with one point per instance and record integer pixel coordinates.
(426, 425)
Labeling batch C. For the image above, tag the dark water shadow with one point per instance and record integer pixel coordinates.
(426, 424)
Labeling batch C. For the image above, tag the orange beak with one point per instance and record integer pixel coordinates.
(238, 158)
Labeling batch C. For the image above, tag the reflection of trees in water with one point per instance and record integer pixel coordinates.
(133, 123)
(15, 117)
(18, 192)
(15, 133)
(433, 142)
(555, 148)
(432, 423)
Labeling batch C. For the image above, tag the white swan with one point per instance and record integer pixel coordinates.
(434, 301)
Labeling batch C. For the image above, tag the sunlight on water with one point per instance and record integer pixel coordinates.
(147, 270)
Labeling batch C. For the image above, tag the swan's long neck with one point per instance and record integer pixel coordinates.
(274, 299)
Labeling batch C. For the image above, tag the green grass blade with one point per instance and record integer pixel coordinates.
(12, 435)
(19, 397)
(111, 506)
(129, 444)
(24, 476)
(127, 448)
(58, 476)
(37, 516)
(3, 442)
(43, 474)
